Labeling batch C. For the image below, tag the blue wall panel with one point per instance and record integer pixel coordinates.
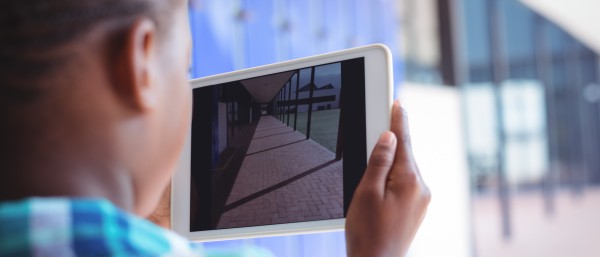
(330, 244)
(237, 34)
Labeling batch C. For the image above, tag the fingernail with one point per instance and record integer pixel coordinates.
(387, 138)
(397, 103)
(400, 105)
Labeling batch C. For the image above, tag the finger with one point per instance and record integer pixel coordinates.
(404, 154)
(380, 163)
(400, 128)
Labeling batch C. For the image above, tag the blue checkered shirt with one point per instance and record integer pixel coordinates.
(90, 227)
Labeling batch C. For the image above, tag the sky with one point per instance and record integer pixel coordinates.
(326, 74)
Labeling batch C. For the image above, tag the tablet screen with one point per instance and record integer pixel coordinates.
(281, 148)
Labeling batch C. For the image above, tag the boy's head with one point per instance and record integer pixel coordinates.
(94, 99)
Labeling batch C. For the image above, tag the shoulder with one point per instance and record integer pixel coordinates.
(82, 227)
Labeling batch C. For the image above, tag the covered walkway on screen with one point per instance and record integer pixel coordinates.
(285, 175)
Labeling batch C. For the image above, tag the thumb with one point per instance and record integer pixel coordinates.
(380, 163)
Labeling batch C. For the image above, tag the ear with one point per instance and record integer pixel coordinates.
(136, 74)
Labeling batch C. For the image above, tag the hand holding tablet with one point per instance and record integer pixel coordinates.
(391, 200)
(280, 149)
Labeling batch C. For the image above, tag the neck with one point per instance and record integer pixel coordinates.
(52, 164)
(41, 180)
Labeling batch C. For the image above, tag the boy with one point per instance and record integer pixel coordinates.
(94, 104)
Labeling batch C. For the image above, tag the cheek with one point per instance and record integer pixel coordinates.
(179, 113)
(185, 113)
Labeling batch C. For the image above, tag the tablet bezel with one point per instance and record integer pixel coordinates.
(378, 102)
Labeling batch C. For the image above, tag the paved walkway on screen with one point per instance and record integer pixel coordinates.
(284, 178)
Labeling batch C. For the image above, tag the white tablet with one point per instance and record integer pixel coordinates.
(280, 149)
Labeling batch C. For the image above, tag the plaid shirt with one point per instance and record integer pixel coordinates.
(90, 227)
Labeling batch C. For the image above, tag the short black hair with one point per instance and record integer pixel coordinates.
(29, 28)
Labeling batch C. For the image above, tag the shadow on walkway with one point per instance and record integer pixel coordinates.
(283, 178)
